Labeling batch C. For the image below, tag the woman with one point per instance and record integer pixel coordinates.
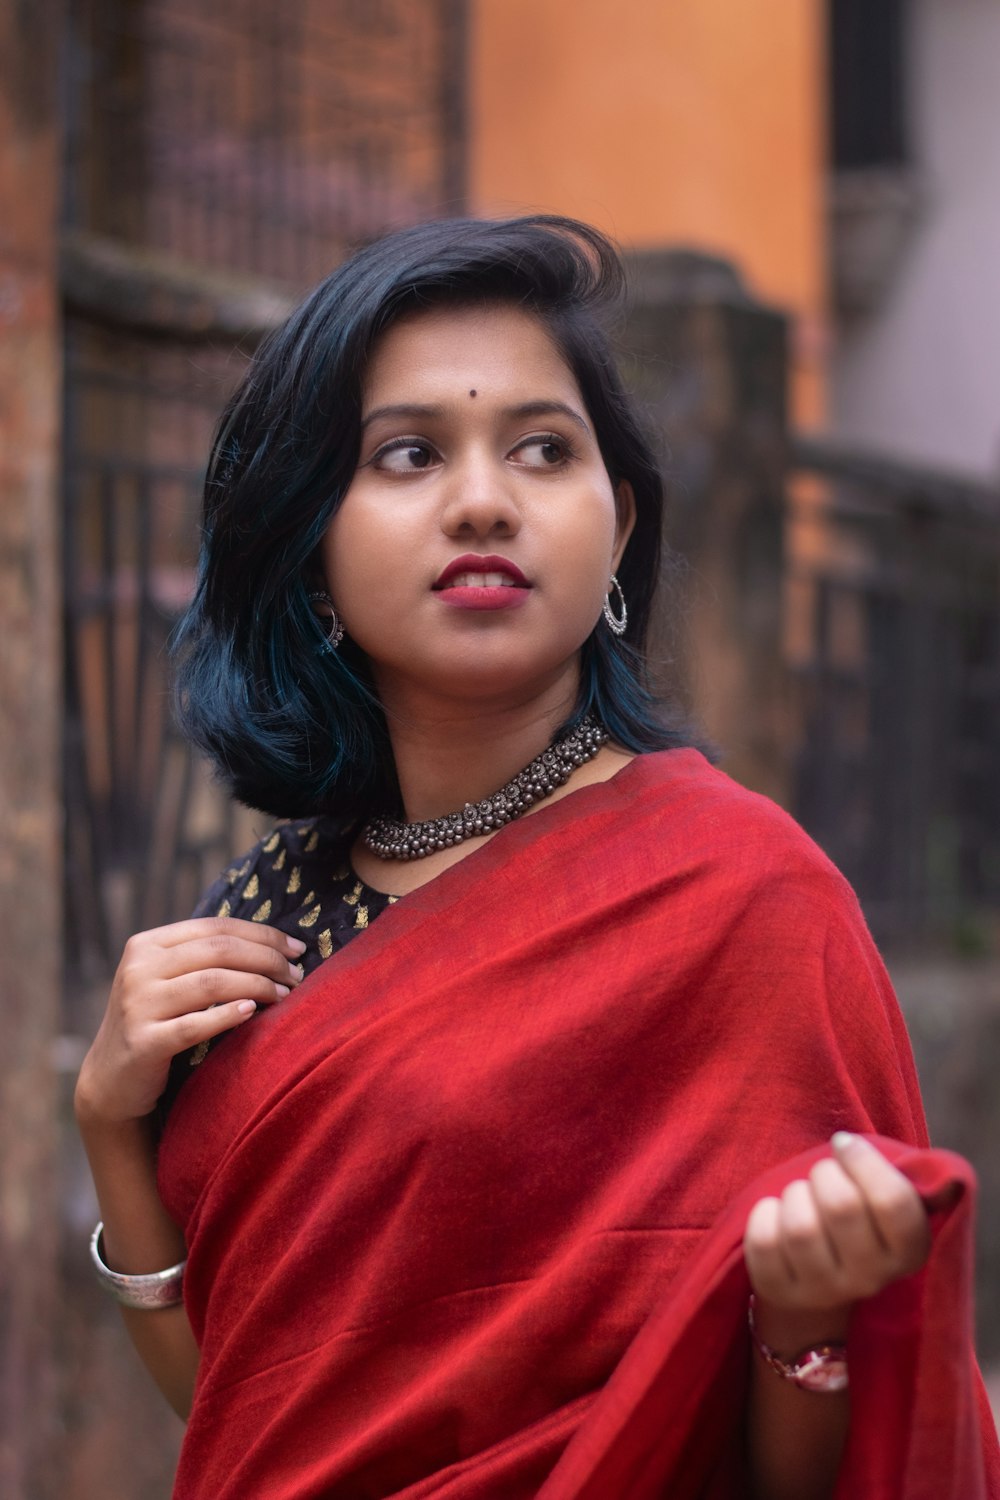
(458, 1213)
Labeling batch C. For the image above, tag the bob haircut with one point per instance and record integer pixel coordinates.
(294, 728)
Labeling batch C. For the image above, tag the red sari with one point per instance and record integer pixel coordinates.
(464, 1214)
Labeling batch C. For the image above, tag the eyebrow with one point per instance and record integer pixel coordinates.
(523, 409)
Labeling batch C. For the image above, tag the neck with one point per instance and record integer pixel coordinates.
(452, 754)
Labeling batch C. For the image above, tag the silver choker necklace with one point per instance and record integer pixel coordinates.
(390, 838)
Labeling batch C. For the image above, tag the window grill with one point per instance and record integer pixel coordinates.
(209, 148)
(867, 57)
(260, 138)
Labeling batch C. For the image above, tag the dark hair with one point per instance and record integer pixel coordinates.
(293, 728)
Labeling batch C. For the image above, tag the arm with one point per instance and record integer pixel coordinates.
(175, 987)
(795, 1437)
(138, 1237)
(855, 1226)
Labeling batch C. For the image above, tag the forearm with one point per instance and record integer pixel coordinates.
(139, 1236)
(795, 1438)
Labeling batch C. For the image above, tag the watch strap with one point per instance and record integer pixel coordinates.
(821, 1367)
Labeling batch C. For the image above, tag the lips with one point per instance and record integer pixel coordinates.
(477, 583)
(473, 571)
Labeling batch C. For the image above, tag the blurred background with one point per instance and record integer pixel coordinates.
(808, 192)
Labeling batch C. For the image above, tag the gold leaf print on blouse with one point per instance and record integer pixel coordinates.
(262, 913)
(199, 1054)
(294, 880)
(392, 900)
(225, 910)
(325, 942)
(361, 919)
(311, 917)
(251, 889)
(273, 842)
(353, 897)
(279, 863)
(309, 898)
(312, 841)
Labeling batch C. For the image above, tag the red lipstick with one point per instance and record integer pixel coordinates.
(475, 581)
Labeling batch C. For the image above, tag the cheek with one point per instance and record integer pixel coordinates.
(358, 558)
(588, 551)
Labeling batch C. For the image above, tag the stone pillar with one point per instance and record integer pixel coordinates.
(30, 839)
(709, 366)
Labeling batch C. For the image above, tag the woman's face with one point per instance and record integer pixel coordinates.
(472, 552)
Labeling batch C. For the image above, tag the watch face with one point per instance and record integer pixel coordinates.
(821, 1370)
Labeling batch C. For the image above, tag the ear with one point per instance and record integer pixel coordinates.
(624, 519)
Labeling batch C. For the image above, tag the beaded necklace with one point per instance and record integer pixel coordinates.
(391, 838)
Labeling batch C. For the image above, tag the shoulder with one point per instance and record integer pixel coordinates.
(273, 874)
(740, 870)
(761, 890)
(680, 795)
(771, 938)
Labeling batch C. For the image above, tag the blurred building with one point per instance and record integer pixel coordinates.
(844, 155)
(839, 156)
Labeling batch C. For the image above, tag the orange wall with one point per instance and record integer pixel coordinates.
(665, 122)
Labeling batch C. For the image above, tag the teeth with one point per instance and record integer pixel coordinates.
(481, 581)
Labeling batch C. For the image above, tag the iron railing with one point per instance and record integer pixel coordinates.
(897, 580)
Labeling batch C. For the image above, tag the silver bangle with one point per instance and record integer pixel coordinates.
(157, 1289)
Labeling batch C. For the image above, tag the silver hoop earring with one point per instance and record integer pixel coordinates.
(335, 631)
(616, 625)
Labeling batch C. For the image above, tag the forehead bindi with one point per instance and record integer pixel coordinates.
(493, 355)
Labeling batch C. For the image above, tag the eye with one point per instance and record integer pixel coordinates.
(547, 451)
(404, 456)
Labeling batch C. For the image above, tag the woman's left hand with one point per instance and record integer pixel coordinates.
(855, 1225)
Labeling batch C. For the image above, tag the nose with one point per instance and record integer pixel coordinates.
(480, 499)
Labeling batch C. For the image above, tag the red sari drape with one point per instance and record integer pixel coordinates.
(463, 1214)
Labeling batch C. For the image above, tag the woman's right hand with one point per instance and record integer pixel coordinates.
(177, 986)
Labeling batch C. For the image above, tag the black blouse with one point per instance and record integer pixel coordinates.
(298, 878)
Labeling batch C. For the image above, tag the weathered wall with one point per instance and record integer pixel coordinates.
(952, 1009)
(29, 748)
(708, 364)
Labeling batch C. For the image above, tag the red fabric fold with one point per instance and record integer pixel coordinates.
(463, 1215)
(920, 1422)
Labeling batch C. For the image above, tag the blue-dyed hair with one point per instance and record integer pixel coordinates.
(294, 728)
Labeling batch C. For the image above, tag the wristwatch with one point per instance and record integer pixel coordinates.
(821, 1367)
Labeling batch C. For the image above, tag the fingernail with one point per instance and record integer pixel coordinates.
(247, 1007)
(295, 945)
(842, 1139)
(282, 989)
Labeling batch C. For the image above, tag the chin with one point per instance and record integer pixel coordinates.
(487, 676)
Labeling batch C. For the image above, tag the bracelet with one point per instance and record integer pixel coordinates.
(157, 1289)
(821, 1367)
